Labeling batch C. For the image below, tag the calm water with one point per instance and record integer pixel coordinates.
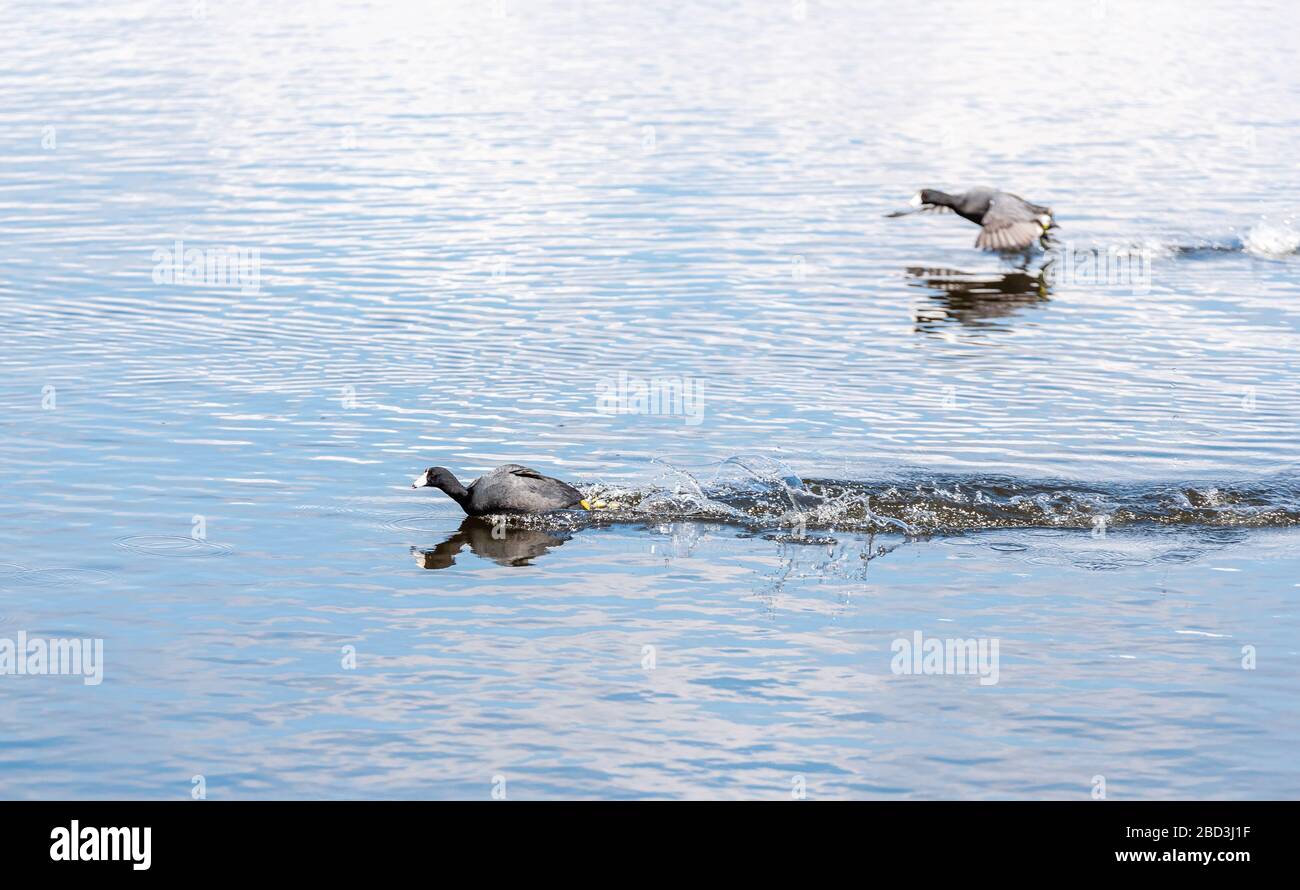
(474, 225)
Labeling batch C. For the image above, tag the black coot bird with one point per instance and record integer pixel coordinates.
(1006, 221)
(507, 489)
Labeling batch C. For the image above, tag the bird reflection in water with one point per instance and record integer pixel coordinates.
(504, 545)
(977, 299)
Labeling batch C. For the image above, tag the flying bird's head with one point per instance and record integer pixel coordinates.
(925, 199)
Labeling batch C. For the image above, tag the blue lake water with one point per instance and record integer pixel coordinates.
(468, 236)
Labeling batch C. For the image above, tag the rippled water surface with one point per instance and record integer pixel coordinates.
(474, 224)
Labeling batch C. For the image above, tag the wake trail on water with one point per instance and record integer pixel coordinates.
(760, 493)
(1267, 239)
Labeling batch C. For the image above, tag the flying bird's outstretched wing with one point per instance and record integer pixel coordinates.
(1011, 223)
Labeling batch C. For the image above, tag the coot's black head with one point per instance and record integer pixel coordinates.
(930, 196)
(436, 477)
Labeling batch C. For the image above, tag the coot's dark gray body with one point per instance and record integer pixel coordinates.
(1006, 221)
(507, 489)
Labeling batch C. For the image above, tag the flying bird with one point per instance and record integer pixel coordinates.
(1007, 222)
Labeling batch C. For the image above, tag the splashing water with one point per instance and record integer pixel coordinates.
(1270, 239)
(762, 493)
